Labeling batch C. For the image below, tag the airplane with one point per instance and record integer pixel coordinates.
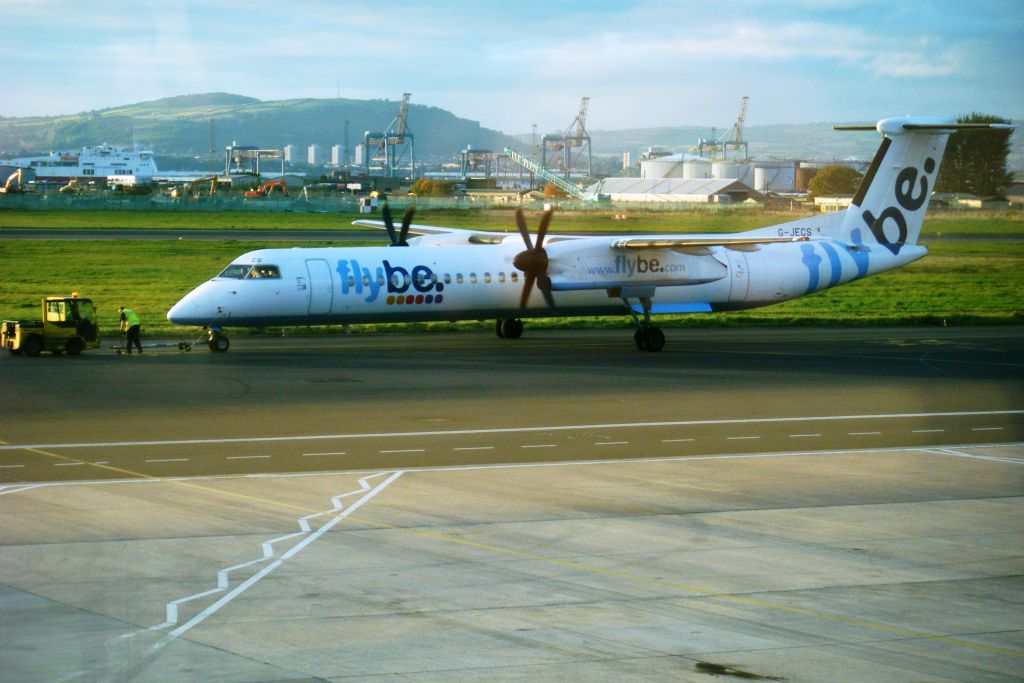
(449, 274)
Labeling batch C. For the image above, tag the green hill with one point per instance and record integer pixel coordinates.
(180, 126)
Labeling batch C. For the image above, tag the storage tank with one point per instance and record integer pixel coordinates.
(804, 172)
(725, 170)
(777, 176)
(732, 170)
(662, 167)
(697, 168)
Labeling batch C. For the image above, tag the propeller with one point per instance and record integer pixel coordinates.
(534, 261)
(398, 239)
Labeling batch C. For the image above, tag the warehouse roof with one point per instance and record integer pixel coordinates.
(674, 189)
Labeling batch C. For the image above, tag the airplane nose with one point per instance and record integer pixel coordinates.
(182, 312)
(193, 309)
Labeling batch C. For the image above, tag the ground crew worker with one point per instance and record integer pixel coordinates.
(130, 325)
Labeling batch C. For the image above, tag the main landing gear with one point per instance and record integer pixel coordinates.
(508, 328)
(647, 336)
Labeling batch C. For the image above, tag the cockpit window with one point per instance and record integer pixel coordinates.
(264, 272)
(236, 271)
(240, 271)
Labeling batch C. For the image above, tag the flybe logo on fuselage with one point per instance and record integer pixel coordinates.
(418, 284)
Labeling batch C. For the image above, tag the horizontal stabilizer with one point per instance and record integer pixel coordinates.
(896, 126)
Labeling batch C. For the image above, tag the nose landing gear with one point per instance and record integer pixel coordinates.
(217, 342)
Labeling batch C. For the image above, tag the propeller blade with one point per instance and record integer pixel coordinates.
(389, 224)
(544, 221)
(527, 287)
(406, 222)
(523, 230)
(546, 291)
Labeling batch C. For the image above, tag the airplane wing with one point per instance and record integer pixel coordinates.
(458, 235)
(699, 245)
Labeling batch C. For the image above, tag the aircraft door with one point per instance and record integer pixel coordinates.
(739, 277)
(321, 286)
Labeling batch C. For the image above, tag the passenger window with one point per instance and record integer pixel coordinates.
(472, 278)
(515, 276)
(487, 278)
(422, 279)
(447, 278)
(501, 277)
(458, 278)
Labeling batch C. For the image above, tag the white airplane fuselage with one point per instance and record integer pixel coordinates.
(336, 285)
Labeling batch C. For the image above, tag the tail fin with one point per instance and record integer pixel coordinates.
(889, 206)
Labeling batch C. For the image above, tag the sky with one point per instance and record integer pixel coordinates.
(510, 64)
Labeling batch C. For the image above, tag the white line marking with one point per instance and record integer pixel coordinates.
(863, 433)
(168, 460)
(539, 445)
(927, 431)
(741, 438)
(17, 488)
(68, 464)
(509, 430)
(959, 454)
(473, 448)
(10, 466)
(803, 436)
(314, 455)
(252, 580)
(405, 450)
(610, 443)
(677, 440)
(246, 457)
(986, 429)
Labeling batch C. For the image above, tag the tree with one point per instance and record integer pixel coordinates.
(834, 179)
(426, 187)
(975, 160)
(552, 191)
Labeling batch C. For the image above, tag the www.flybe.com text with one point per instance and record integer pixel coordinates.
(629, 266)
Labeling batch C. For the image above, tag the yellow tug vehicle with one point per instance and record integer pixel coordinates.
(67, 325)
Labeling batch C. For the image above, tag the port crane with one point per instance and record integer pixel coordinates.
(564, 145)
(732, 139)
(390, 146)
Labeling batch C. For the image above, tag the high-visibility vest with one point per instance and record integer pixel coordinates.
(130, 319)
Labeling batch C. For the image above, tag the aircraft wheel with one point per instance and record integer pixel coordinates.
(219, 344)
(499, 330)
(74, 346)
(33, 346)
(512, 328)
(649, 339)
(654, 339)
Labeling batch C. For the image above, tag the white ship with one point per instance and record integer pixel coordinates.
(115, 165)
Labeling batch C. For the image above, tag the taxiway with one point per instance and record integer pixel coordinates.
(764, 504)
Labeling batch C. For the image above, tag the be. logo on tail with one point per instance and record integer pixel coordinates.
(906, 184)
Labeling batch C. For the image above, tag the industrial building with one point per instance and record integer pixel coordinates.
(695, 190)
